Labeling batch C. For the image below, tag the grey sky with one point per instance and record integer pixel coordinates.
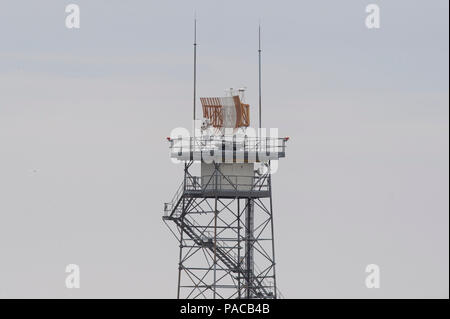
(84, 164)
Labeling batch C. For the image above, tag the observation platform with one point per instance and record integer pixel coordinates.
(220, 186)
(220, 149)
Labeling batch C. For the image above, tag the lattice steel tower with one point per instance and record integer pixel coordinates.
(222, 213)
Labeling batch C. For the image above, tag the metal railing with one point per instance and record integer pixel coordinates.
(227, 182)
(217, 182)
(232, 143)
(168, 207)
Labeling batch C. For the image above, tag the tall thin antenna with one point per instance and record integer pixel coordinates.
(259, 71)
(195, 63)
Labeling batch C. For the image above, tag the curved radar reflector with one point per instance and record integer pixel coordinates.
(226, 112)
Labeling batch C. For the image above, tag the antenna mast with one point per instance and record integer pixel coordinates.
(259, 71)
(195, 64)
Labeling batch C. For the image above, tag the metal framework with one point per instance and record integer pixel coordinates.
(224, 227)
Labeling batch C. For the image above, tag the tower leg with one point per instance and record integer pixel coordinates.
(249, 229)
(275, 291)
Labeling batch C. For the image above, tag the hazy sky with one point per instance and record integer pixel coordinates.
(84, 163)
